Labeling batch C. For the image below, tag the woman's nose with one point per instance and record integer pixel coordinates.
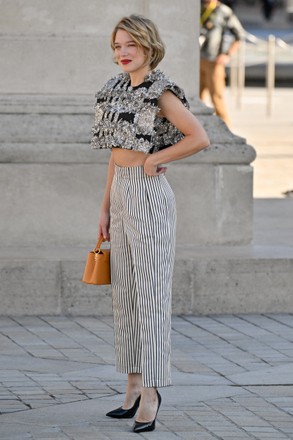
(123, 50)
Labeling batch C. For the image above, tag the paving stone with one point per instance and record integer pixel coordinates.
(279, 375)
(271, 436)
(23, 436)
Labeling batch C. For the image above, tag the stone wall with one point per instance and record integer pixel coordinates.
(62, 46)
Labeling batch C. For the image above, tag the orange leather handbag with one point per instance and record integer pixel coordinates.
(97, 268)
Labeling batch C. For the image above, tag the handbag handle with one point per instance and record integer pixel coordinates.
(97, 248)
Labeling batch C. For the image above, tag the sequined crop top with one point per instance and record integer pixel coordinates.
(127, 117)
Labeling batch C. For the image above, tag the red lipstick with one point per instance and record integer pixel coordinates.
(125, 61)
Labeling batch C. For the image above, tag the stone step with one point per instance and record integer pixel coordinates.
(207, 280)
(257, 278)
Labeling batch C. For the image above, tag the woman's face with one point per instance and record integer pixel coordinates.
(130, 57)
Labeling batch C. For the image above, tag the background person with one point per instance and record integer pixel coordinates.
(216, 20)
(230, 3)
(268, 7)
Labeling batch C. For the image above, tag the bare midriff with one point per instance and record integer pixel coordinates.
(128, 158)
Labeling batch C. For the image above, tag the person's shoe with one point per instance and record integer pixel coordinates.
(139, 427)
(121, 413)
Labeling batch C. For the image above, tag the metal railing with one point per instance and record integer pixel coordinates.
(268, 51)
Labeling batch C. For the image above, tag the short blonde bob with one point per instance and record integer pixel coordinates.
(145, 34)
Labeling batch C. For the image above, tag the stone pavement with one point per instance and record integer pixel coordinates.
(271, 136)
(232, 379)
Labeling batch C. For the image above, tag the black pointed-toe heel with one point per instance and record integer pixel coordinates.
(139, 427)
(121, 413)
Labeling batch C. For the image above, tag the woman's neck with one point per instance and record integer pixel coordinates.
(137, 78)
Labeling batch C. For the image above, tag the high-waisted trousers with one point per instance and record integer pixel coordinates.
(142, 227)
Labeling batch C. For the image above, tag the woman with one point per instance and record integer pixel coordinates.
(143, 118)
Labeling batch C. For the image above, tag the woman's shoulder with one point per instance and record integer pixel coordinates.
(162, 83)
(160, 78)
(112, 83)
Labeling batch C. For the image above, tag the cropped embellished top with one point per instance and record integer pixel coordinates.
(127, 117)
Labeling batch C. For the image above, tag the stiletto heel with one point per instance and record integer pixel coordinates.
(121, 413)
(139, 427)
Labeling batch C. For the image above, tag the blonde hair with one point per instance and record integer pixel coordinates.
(145, 34)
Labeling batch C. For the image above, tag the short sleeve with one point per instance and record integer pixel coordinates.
(235, 27)
(164, 84)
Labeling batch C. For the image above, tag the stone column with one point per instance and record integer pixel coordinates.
(62, 46)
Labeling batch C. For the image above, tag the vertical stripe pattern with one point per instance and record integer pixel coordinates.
(143, 221)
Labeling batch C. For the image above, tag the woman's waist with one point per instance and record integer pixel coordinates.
(128, 158)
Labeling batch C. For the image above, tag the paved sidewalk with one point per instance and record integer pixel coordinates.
(271, 136)
(232, 375)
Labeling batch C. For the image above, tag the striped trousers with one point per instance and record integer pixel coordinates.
(143, 221)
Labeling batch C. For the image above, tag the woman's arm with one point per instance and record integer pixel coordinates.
(195, 138)
(104, 223)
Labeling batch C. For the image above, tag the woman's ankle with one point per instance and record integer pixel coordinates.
(133, 389)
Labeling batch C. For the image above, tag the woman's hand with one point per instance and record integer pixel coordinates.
(104, 226)
(151, 168)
